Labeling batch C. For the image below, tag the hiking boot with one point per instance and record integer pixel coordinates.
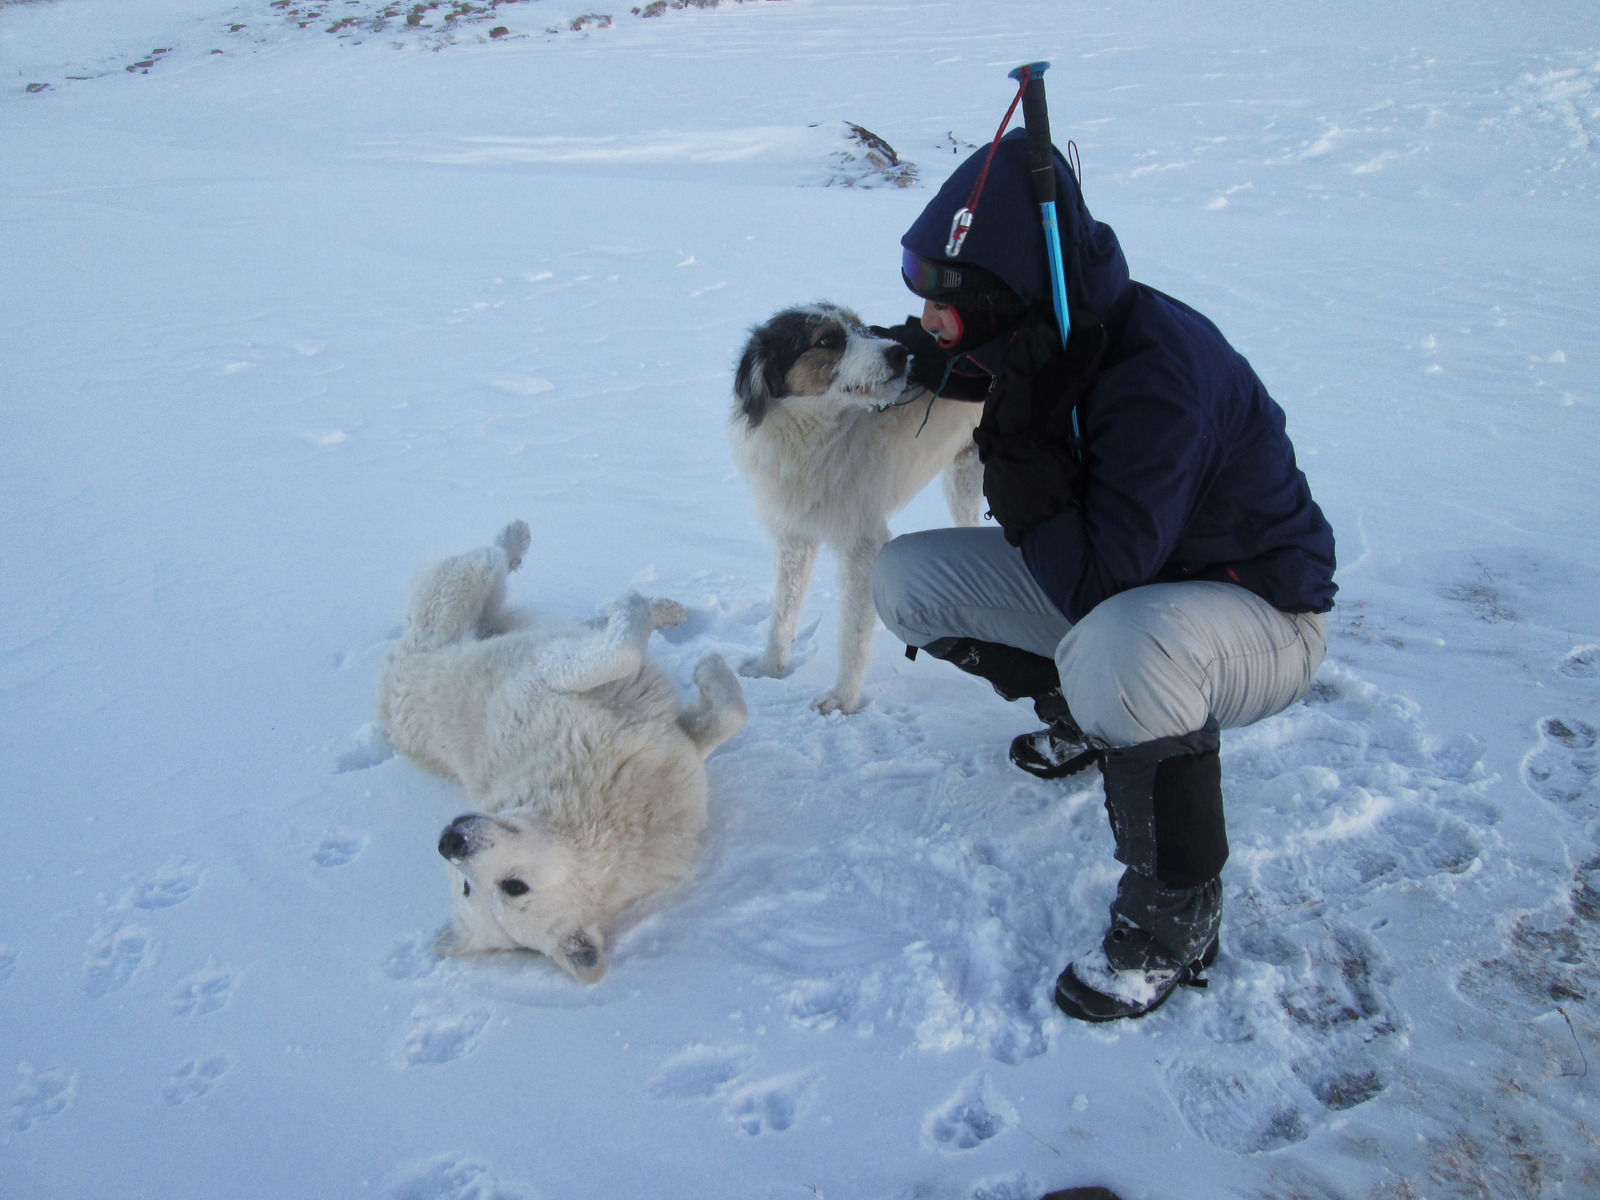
(1090, 989)
(1055, 752)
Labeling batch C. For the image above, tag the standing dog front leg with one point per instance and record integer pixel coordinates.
(793, 559)
(858, 617)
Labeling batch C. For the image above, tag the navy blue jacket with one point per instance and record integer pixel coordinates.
(1190, 472)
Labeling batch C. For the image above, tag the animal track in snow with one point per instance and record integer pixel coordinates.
(368, 748)
(442, 1038)
(195, 1077)
(822, 1003)
(1581, 662)
(1563, 766)
(1018, 1186)
(770, 1105)
(339, 849)
(969, 1118)
(698, 1071)
(39, 1096)
(412, 959)
(116, 954)
(172, 884)
(449, 1177)
(206, 991)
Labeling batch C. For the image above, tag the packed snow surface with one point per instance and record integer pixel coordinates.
(298, 296)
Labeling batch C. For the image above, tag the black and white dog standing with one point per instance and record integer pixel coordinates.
(833, 443)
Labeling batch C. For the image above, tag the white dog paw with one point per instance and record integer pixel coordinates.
(664, 614)
(514, 539)
(628, 608)
(834, 701)
(713, 669)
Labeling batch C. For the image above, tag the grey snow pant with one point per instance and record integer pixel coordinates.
(1150, 674)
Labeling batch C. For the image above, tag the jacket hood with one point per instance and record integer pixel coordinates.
(1007, 237)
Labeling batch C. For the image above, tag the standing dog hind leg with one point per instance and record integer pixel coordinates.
(962, 481)
(793, 558)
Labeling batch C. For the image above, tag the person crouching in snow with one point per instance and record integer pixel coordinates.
(1160, 569)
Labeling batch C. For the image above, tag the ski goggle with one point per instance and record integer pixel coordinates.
(930, 279)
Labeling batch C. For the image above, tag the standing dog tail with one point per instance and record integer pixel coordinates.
(720, 712)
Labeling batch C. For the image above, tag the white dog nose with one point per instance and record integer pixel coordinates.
(454, 843)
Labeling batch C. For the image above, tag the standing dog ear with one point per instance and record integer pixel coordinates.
(759, 381)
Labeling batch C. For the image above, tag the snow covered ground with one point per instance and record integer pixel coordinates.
(282, 321)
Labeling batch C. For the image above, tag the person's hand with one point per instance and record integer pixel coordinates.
(928, 363)
(1026, 485)
(1027, 441)
(930, 367)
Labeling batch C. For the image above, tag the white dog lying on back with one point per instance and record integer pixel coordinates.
(832, 444)
(589, 775)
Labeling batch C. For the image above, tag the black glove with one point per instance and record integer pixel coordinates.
(1027, 439)
(930, 367)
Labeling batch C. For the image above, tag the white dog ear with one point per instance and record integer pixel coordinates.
(582, 954)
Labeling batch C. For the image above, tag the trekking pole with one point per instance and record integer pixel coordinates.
(1042, 165)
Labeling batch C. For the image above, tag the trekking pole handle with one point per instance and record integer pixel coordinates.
(1042, 167)
(1036, 116)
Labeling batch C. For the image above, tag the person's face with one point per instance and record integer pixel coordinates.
(941, 321)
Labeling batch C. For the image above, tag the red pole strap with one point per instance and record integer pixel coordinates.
(962, 223)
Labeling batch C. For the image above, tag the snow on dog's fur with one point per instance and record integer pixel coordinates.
(570, 739)
(832, 444)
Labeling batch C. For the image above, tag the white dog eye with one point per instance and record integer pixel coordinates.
(466, 888)
(832, 340)
(513, 887)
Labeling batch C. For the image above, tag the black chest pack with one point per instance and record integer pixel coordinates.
(1030, 438)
